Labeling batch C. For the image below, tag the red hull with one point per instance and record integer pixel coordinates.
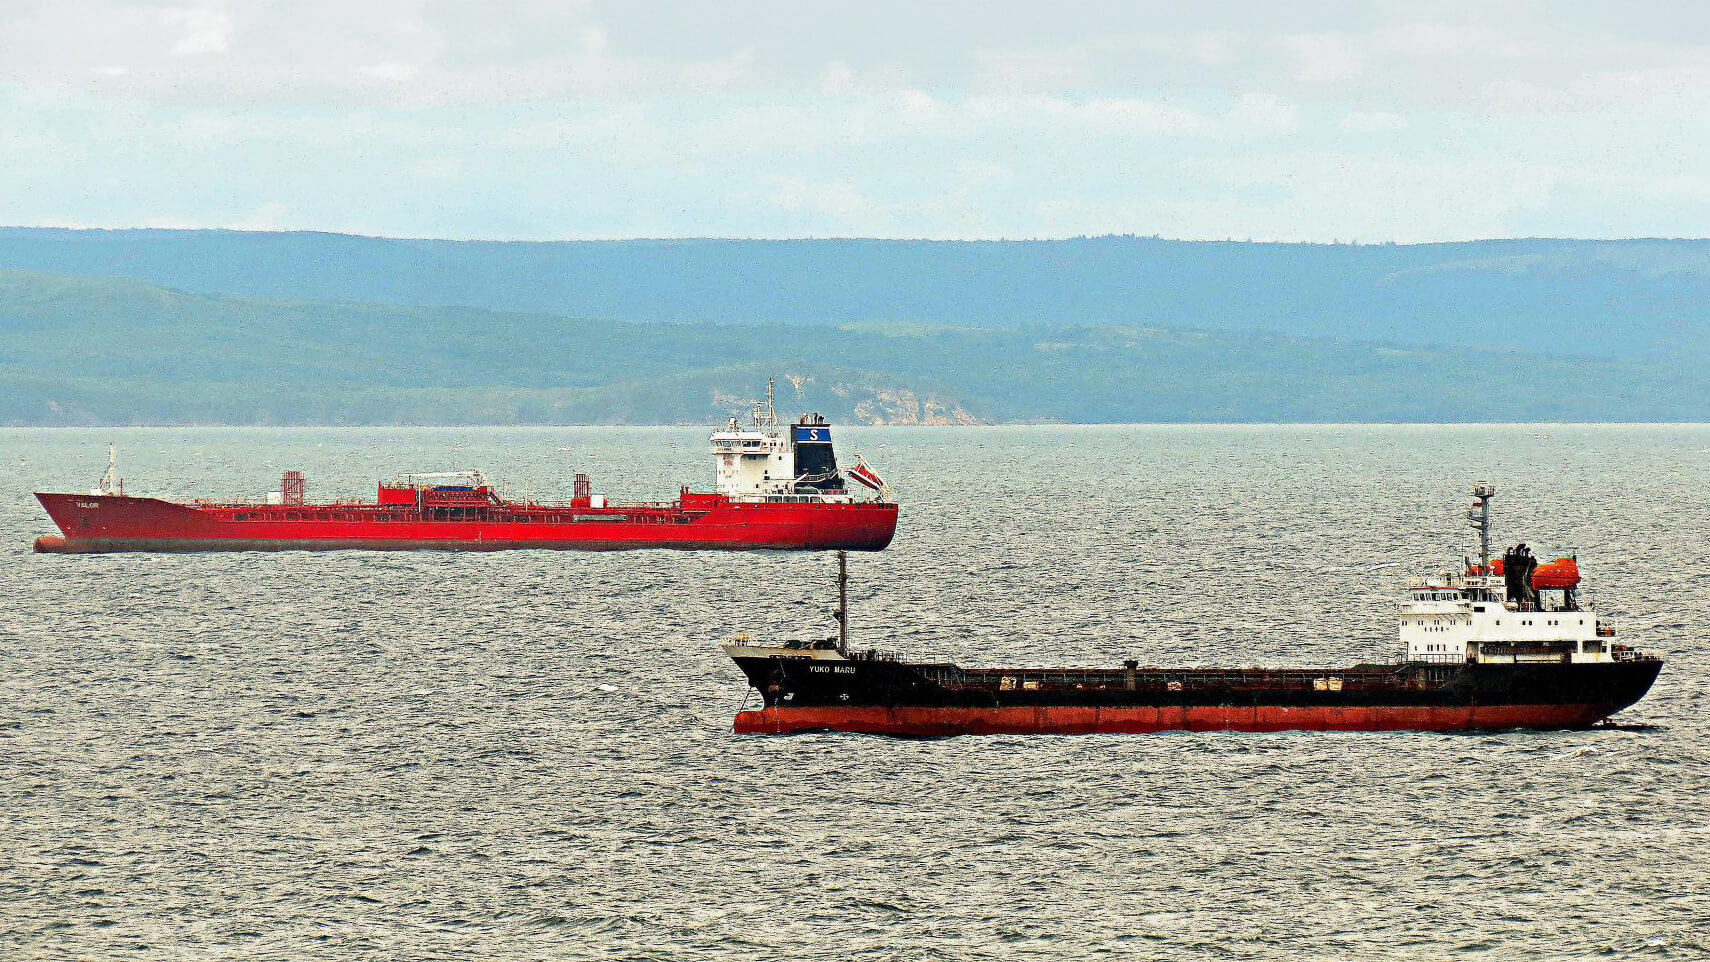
(96, 523)
(941, 722)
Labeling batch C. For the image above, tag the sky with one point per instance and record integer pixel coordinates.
(1248, 119)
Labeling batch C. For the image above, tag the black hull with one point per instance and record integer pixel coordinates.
(893, 697)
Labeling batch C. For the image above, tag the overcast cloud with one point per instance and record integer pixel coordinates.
(1302, 121)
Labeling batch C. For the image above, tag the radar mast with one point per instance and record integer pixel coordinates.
(1479, 517)
(765, 415)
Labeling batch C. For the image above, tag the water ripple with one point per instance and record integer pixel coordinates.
(528, 755)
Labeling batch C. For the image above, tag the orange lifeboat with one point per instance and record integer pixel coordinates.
(1560, 573)
(1557, 574)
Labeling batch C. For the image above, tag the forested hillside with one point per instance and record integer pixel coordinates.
(1627, 299)
(78, 350)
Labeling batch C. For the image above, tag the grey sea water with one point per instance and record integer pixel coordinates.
(529, 754)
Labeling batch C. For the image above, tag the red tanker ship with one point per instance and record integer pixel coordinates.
(777, 489)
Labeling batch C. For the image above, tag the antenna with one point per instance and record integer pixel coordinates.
(1479, 516)
(843, 603)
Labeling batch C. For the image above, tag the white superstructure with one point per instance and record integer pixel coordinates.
(1504, 610)
(765, 462)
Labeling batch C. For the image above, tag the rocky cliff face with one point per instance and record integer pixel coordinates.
(905, 407)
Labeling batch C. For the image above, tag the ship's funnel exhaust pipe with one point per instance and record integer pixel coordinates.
(1518, 568)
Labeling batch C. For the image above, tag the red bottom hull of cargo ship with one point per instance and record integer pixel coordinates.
(943, 722)
(100, 523)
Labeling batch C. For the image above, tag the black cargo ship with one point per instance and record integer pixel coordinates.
(1504, 643)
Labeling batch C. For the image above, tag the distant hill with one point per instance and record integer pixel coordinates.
(1640, 299)
(81, 350)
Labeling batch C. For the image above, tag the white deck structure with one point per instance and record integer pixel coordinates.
(764, 462)
(1470, 616)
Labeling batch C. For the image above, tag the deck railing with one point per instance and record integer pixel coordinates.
(1633, 654)
(1436, 658)
(1169, 679)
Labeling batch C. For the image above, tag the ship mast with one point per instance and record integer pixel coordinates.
(843, 603)
(1479, 516)
(110, 483)
(765, 414)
